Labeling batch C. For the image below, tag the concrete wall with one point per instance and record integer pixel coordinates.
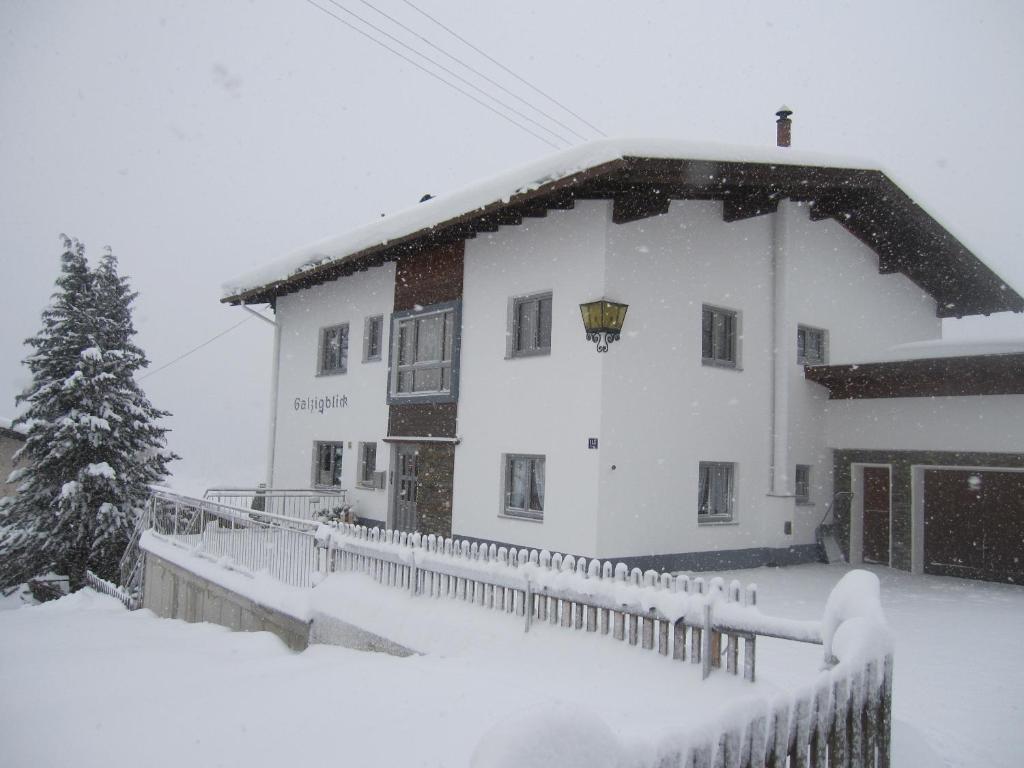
(301, 316)
(175, 593)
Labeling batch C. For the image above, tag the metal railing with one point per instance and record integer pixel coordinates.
(283, 547)
(301, 503)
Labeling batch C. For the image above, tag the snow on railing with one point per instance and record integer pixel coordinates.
(105, 587)
(680, 616)
(281, 546)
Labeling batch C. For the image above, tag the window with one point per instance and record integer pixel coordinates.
(425, 354)
(716, 492)
(333, 349)
(530, 333)
(327, 470)
(718, 336)
(810, 346)
(803, 484)
(524, 486)
(372, 338)
(367, 464)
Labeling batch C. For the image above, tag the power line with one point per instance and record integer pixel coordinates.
(473, 69)
(451, 72)
(210, 340)
(490, 58)
(441, 67)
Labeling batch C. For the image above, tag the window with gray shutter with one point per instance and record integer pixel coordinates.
(333, 351)
(811, 346)
(524, 486)
(530, 331)
(716, 492)
(718, 336)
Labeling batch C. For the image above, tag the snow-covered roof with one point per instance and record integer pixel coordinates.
(502, 187)
(751, 179)
(940, 348)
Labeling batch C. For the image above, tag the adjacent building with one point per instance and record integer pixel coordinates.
(436, 363)
(11, 441)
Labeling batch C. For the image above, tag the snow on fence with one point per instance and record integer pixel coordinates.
(301, 503)
(708, 622)
(843, 719)
(105, 587)
(283, 547)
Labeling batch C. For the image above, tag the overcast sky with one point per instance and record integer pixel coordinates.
(200, 139)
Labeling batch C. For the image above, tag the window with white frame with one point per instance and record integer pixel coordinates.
(367, 465)
(530, 331)
(333, 352)
(716, 492)
(373, 333)
(718, 336)
(802, 484)
(524, 486)
(327, 463)
(811, 346)
(425, 354)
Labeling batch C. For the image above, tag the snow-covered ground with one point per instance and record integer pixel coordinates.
(84, 681)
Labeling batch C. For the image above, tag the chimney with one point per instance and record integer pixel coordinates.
(783, 126)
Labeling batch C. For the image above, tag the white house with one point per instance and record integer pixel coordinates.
(435, 362)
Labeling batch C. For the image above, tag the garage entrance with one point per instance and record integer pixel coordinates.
(974, 524)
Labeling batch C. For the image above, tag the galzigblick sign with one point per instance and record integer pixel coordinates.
(320, 403)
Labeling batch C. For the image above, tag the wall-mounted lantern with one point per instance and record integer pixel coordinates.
(603, 321)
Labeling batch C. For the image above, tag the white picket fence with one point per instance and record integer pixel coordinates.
(844, 719)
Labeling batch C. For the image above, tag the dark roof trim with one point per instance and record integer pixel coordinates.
(867, 203)
(1001, 374)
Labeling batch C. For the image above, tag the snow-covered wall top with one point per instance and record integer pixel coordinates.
(503, 187)
(921, 350)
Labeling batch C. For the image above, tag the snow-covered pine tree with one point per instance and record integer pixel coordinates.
(92, 442)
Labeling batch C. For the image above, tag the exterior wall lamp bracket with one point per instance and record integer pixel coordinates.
(602, 320)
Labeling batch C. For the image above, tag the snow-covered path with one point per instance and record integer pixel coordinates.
(84, 682)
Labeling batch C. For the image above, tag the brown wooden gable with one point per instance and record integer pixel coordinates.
(867, 203)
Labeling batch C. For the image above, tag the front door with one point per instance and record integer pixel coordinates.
(876, 515)
(405, 487)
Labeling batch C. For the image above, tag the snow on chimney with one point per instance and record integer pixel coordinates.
(783, 126)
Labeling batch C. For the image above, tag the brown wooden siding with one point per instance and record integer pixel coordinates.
(430, 276)
(422, 420)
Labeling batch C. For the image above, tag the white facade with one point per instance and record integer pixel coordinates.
(364, 415)
(655, 408)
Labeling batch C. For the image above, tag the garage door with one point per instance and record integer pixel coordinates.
(974, 524)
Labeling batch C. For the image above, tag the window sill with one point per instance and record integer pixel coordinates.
(536, 353)
(720, 365)
(372, 360)
(364, 487)
(521, 518)
(331, 373)
(806, 504)
(716, 523)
